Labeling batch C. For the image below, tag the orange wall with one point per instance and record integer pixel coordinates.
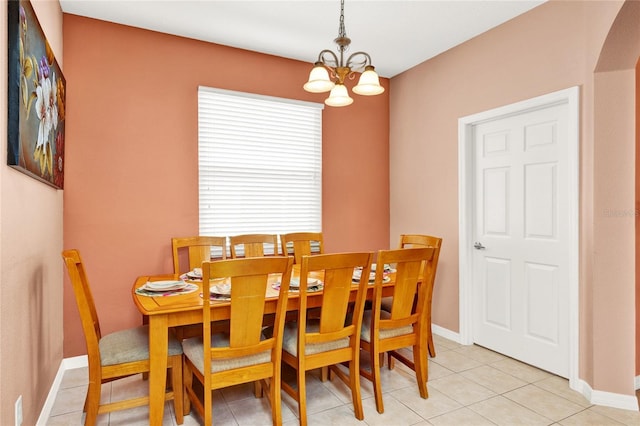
(131, 156)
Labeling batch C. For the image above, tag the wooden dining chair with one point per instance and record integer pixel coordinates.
(334, 337)
(116, 355)
(405, 325)
(301, 244)
(253, 245)
(198, 250)
(417, 240)
(243, 354)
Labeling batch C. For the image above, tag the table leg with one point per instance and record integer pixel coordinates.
(158, 352)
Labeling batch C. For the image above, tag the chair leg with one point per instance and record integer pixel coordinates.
(375, 373)
(431, 346)
(208, 404)
(187, 377)
(92, 403)
(421, 365)
(354, 384)
(276, 397)
(178, 388)
(145, 321)
(302, 397)
(86, 402)
(325, 374)
(257, 389)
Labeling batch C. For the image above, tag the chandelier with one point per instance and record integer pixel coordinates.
(328, 63)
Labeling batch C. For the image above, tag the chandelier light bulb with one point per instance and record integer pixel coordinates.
(319, 81)
(369, 83)
(339, 96)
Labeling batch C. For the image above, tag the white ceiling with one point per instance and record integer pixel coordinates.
(398, 34)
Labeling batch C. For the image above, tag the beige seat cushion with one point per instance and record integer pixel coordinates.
(194, 350)
(290, 339)
(384, 334)
(130, 345)
(386, 303)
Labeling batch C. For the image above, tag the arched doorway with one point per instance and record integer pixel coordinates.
(615, 197)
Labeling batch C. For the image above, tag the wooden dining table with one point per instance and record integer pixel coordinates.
(166, 311)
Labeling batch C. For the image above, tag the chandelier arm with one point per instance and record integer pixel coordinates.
(333, 56)
(358, 65)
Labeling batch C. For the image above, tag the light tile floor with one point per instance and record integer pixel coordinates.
(468, 385)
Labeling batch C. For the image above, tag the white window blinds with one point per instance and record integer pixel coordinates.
(260, 164)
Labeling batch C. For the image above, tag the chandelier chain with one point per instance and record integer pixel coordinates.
(341, 29)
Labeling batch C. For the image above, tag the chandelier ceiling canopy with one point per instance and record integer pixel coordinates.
(330, 71)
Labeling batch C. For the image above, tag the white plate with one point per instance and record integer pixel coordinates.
(312, 289)
(387, 268)
(311, 282)
(224, 289)
(196, 274)
(372, 277)
(358, 273)
(164, 285)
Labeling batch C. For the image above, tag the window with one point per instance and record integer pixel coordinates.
(260, 164)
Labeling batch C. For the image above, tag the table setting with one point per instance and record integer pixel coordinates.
(357, 274)
(313, 285)
(165, 288)
(194, 275)
(220, 289)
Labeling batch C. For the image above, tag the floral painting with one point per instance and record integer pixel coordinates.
(36, 99)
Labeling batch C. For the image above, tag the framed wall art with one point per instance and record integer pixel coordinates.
(36, 96)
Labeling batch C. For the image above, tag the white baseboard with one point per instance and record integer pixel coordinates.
(607, 399)
(76, 362)
(66, 364)
(447, 334)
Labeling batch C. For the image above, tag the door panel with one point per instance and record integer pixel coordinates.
(542, 302)
(520, 267)
(496, 202)
(497, 306)
(540, 201)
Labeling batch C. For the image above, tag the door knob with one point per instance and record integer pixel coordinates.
(478, 246)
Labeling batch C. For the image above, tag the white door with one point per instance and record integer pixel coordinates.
(521, 260)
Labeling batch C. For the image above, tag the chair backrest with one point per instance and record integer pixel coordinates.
(84, 300)
(417, 240)
(406, 309)
(254, 245)
(198, 249)
(336, 320)
(249, 279)
(301, 244)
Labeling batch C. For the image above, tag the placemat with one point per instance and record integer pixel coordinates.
(189, 288)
